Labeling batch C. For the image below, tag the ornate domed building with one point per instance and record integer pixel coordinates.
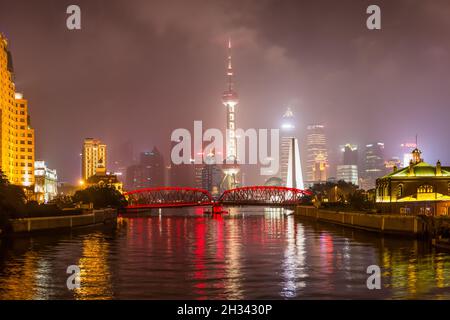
(417, 189)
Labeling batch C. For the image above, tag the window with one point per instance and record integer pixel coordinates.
(399, 191)
(426, 188)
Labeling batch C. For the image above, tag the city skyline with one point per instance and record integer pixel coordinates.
(274, 72)
(242, 151)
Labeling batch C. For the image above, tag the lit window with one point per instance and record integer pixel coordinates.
(425, 189)
(400, 191)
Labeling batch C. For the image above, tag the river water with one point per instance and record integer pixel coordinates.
(247, 254)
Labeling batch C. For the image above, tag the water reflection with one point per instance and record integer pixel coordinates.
(294, 260)
(95, 282)
(20, 281)
(246, 254)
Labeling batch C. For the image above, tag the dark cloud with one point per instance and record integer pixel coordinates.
(139, 69)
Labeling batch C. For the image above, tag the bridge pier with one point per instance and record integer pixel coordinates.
(218, 209)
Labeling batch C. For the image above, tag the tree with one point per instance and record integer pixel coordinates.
(101, 197)
(62, 201)
(358, 200)
(341, 195)
(12, 200)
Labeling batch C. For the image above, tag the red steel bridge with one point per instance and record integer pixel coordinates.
(173, 197)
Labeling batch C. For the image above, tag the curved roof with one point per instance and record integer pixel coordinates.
(274, 181)
(421, 169)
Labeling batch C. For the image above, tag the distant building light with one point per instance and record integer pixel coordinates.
(287, 126)
(408, 145)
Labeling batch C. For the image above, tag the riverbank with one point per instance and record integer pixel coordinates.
(390, 224)
(30, 225)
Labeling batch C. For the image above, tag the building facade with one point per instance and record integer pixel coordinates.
(406, 149)
(290, 163)
(148, 173)
(93, 156)
(373, 166)
(418, 189)
(348, 170)
(211, 176)
(46, 182)
(102, 178)
(17, 141)
(317, 154)
(347, 173)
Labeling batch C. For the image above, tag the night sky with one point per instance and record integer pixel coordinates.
(139, 69)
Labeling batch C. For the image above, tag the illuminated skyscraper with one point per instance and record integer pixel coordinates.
(230, 101)
(407, 152)
(290, 164)
(16, 135)
(317, 154)
(348, 170)
(374, 166)
(211, 175)
(93, 157)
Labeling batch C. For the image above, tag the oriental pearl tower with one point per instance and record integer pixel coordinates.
(230, 101)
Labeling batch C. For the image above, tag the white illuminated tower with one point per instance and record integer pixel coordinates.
(287, 128)
(230, 101)
(294, 175)
(290, 165)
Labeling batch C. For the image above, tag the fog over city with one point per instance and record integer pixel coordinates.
(137, 70)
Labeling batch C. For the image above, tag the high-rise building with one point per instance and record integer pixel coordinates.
(93, 157)
(407, 152)
(17, 146)
(392, 163)
(154, 162)
(373, 166)
(211, 175)
(46, 182)
(317, 154)
(348, 170)
(148, 173)
(287, 128)
(121, 156)
(290, 163)
(230, 100)
(180, 175)
(349, 154)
